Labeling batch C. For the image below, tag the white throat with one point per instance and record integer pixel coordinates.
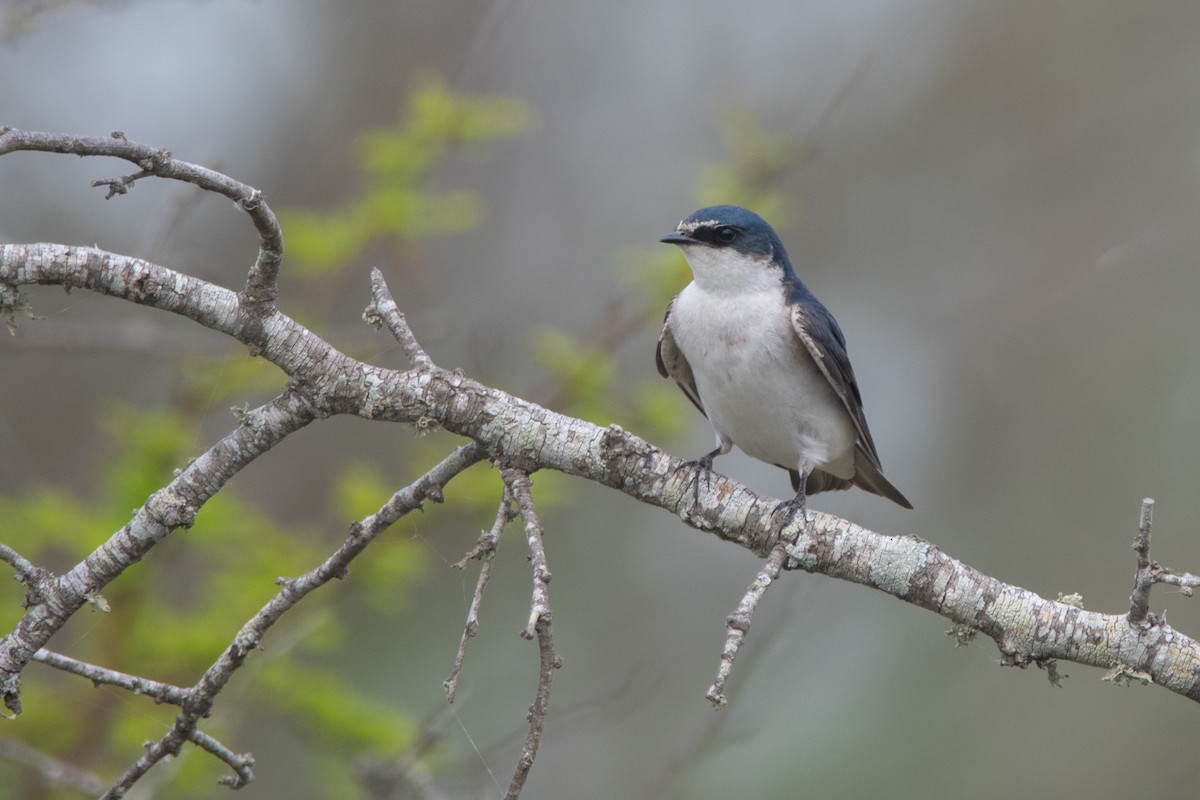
(724, 271)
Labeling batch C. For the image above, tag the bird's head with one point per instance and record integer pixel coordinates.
(731, 250)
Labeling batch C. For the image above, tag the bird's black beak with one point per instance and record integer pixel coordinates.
(675, 237)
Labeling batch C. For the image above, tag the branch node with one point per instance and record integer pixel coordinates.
(252, 201)
(1121, 675)
(963, 635)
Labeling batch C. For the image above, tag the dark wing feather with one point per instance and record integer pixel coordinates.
(672, 364)
(821, 336)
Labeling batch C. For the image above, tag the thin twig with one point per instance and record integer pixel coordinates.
(240, 763)
(25, 569)
(539, 624)
(484, 550)
(33, 577)
(1139, 601)
(520, 485)
(383, 309)
(1186, 581)
(738, 624)
(161, 692)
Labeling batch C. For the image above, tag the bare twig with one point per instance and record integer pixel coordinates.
(1139, 601)
(383, 308)
(240, 763)
(161, 692)
(738, 624)
(34, 577)
(548, 661)
(539, 624)
(26, 571)
(484, 550)
(1186, 581)
(519, 484)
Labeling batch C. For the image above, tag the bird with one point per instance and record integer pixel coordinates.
(765, 361)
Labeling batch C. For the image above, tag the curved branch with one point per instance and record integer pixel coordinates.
(261, 283)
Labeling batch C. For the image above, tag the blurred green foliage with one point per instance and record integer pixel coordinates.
(397, 202)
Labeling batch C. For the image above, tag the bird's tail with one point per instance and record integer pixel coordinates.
(869, 476)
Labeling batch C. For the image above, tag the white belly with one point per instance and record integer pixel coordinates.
(760, 388)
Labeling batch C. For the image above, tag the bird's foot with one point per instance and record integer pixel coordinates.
(786, 512)
(701, 468)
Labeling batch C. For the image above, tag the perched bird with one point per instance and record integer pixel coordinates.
(759, 355)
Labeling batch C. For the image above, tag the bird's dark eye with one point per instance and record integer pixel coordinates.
(726, 234)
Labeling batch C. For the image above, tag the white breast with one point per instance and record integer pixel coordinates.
(760, 388)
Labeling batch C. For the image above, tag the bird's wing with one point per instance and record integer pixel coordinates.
(821, 336)
(672, 364)
(823, 339)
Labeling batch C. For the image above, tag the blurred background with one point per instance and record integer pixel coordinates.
(998, 201)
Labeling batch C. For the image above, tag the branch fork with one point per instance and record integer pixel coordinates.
(1150, 572)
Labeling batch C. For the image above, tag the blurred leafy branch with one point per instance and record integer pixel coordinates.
(397, 202)
(181, 609)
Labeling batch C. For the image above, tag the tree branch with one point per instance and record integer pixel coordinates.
(484, 551)
(738, 624)
(384, 309)
(1143, 580)
(161, 692)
